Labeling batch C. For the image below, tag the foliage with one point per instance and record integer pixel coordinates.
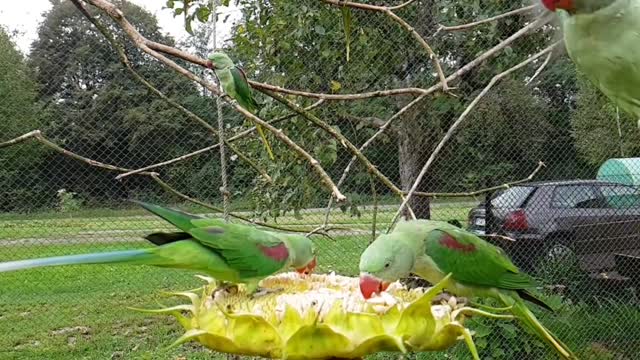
(19, 167)
(595, 127)
(94, 107)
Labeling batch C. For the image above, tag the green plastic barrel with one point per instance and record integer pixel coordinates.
(623, 171)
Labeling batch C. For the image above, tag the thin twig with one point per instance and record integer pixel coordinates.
(381, 130)
(487, 20)
(374, 216)
(540, 68)
(459, 121)
(124, 59)
(404, 4)
(143, 44)
(215, 146)
(224, 189)
(400, 21)
(486, 190)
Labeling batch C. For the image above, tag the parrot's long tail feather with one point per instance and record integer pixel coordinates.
(522, 312)
(125, 256)
(526, 295)
(177, 218)
(265, 141)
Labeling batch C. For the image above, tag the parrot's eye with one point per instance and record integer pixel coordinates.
(387, 265)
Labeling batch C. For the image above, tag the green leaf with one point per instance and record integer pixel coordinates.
(170, 4)
(203, 13)
(346, 22)
(319, 29)
(225, 2)
(335, 86)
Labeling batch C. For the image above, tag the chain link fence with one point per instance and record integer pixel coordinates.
(523, 162)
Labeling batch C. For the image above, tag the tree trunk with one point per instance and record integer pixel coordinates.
(413, 147)
(415, 134)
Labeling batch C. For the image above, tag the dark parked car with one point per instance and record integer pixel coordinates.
(594, 222)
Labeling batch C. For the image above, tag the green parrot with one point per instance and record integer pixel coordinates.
(602, 38)
(234, 83)
(434, 249)
(230, 253)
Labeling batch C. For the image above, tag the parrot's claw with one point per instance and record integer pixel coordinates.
(263, 291)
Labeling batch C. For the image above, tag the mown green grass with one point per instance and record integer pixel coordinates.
(133, 223)
(80, 312)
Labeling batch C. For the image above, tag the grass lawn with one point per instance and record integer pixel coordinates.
(80, 312)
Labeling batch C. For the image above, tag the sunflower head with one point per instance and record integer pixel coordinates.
(317, 317)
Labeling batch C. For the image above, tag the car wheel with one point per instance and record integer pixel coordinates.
(560, 254)
(558, 263)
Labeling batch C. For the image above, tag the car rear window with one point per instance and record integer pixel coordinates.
(512, 198)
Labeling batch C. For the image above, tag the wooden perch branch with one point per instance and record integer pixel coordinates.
(487, 20)
(459, 121)
(37, 135)
(238, 136)
(400, 21)
(143, 44)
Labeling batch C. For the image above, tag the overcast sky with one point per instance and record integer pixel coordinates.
(24, 16)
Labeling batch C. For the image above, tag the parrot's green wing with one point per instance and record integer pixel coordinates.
(245, 98)
(246, 249)
(474, 261)
(249, 251)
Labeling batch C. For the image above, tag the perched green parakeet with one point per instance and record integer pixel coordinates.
(234, 83)
(602, 37)
(232, 253)
(434, 249)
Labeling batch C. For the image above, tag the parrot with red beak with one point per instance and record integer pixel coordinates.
(601, 38)
(234, 83)
(230, 253)
(434, 249)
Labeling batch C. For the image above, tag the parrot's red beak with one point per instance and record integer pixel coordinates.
(370, 285)
(307, 270)
(209, 64)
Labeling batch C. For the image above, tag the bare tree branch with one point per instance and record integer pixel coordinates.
(542, 66)
(487, 20)
(212, 147)
(459, 121)
(142, 43)
(400, 21)
(124, 59)
(485, 190)
(37, 135)
(370, 121)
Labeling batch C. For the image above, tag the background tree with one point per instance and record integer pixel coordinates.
(19, 166)
(595, 128)
(95, 107)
